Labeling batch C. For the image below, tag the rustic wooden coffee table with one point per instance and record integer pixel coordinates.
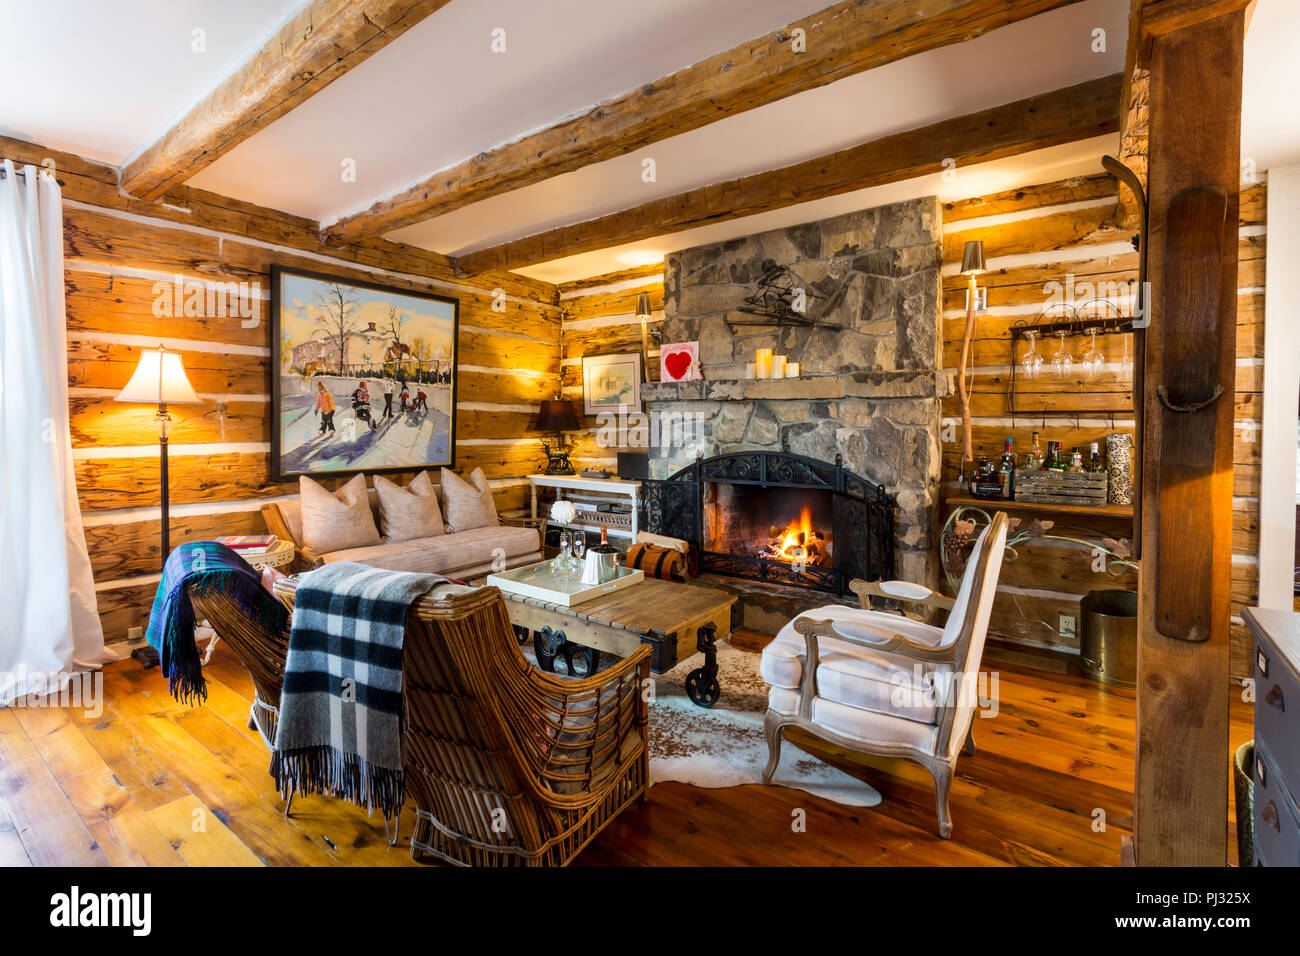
(675, 619)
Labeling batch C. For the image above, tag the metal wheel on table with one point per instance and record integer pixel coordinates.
(548, 644)
(582, 661)
(702, 688)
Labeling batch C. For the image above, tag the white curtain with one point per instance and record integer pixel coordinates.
(49, 622)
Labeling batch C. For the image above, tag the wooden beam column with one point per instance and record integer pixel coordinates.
(1193, 49)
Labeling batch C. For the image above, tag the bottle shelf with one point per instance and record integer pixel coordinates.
(1035, 507)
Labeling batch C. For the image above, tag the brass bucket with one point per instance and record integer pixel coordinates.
(1108, 649)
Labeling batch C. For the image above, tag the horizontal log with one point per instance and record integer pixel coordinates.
(1025, 199)
(623, 302)
(121, 304)
(1079, 112)
(130, 548)
(99, 420)
(653, 271)
(112, 483)
(109, 365)
(1093, 225)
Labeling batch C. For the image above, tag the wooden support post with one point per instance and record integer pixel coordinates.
(1181, 793)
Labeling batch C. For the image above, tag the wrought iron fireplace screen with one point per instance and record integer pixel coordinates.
(862, 517)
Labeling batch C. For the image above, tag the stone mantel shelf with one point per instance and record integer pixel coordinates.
(877, 385)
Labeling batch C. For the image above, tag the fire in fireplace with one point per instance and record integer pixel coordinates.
(798, 543)
(777, 518)
(787, 525)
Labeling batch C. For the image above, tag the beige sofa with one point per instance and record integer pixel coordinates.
(462, 554)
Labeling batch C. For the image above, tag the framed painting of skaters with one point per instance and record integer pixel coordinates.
(364, 377)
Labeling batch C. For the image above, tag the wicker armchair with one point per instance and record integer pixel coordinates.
(260, 651)
(508, 765)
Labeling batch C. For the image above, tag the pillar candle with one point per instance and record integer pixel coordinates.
(791, 369)
(778, 366)
(762, 363)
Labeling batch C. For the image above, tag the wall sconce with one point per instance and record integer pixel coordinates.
(972, 265)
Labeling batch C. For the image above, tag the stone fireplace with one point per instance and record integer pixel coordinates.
(777, 518)
(867, 399)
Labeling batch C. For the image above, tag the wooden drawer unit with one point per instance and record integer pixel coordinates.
(1277, 735)
(1277, 822)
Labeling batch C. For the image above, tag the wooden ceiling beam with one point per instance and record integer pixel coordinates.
(837, 42)
(322, 42)
(1064, 116)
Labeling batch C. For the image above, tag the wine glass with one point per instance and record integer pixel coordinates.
(1093, 359)
(1062, 361)
(579, 550)
(1032, 360)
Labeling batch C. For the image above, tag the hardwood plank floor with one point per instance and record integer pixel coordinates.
(153, 782)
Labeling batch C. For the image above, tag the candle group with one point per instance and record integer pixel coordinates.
(767, 365)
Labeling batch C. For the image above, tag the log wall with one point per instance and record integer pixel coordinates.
(1042, 234)
(599, 319)
(116, 249)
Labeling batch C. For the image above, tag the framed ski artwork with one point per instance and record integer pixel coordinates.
(363, 377)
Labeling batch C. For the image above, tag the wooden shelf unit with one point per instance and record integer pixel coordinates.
(1035, 507)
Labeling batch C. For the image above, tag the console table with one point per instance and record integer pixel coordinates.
(622, 494)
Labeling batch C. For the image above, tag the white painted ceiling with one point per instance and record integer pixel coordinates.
(104, 78)
(1270, 120)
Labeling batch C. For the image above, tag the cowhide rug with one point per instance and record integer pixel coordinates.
(724, 746)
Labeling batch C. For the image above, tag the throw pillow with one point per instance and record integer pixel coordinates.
(410, 512)
(467, 504)
(333, 522)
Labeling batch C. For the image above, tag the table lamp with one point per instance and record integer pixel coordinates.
(160, 380)
(557, 416)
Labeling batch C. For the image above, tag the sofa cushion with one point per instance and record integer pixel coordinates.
(467, 504)
(410, 512)
(856, 675)
(446, 552)
(338, 520)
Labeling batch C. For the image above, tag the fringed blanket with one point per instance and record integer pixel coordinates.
(340, 729)
(201, 567)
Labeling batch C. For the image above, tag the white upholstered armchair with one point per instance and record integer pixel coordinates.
(878, 683)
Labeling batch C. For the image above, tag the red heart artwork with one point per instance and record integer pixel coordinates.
(677, 364)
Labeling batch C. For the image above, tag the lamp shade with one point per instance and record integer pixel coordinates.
(557, 416)
(972, 259)
(643, 306)
(159, 379)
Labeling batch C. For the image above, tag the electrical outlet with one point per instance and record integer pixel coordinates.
(1065, 625)
(135, 633)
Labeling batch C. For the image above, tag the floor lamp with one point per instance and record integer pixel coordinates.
(160, 380)
(972, 265)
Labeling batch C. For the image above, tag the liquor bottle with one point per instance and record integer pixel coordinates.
(1094, 458)
(980, 477)
(1034, 457)
(1076, 462)
(1007, 471)
(604, 547)
(1054, 460)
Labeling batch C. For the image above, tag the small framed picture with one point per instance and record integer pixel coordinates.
(679, 362)
(611, 381)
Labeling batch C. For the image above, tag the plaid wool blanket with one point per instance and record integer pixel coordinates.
(340, 729)
(200, 567)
